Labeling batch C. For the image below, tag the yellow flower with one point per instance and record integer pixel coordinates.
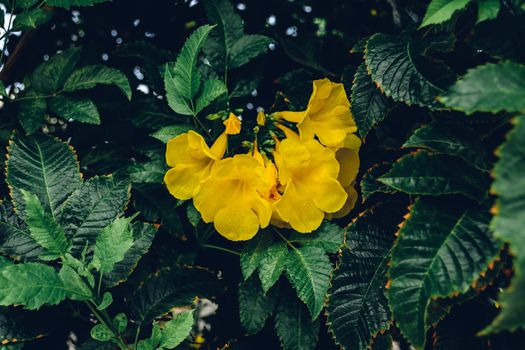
(327, 115)
(261, 118)
(232, 197)
(308, 173)
(191, 160)
(348, 206)
(232, 124)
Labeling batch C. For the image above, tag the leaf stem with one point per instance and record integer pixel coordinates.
(221, 249)
(284, 238)
(137, 334)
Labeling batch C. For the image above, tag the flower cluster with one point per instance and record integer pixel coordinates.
(305, 177)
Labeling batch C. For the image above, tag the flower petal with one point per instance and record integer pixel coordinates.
(236, 222)
(299, 210)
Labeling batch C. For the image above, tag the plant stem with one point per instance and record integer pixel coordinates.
(137, 334)
(284, 238)
(221, 249)
(104, 321)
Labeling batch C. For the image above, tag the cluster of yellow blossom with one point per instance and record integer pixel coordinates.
(308, 180)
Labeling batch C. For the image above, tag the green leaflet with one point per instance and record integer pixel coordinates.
(91, 208)
(120, 322)
(357, 307)
(101, 333)
(254, 305)
(15, 240)
(49, 77)
(272, 265)
(247, 48)
(107, 300)
(31, 112)
(293, 324)
(369, 105)
(90, 76)
(440, 11)
(449, 139)
(328, 236)
(370, 183)
(43, 166)
(254, 252)
(508, 224)
(68, 3)
(43, 228)
(112, 244)
(426, 173)
(76, 288)
(176, 330)
(168, 132)
(488, 9)
(80, 109)
(400, 70)
(442, 248)
(158, 294)
(211, 90)
(308, 269)
(31, 19)
(489, 88)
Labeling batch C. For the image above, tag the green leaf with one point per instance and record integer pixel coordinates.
(182, 80)
(31, 285)
(211, 90)
(152, 342)
(90, 76)
(26, 4)
(31, 19)
(308, 269)
(120, 322)
(369, 105)
(441, 250)
(76, 288)
(31, 112)
(328, 236)
(68, 3)
(80, 109)
(402, 73)
(107, 300)
(112, 245)
(43, 166)
(440, 11)
(254, 252)
(15, 240)
(272, 265)
(168, 132)
(370, 183)
(294, 327)
(357, 307)
(43, 228)
(452, 140)
(159, 294)
(254, 305)
(91, 208)
(488, 9)
(194, 217)
(143, 235)
(247, 48)
(148, 172)
(49, 77)
(489, 88)
(18, 325)
(508, 224)
(101, 332)
(176, 330)
(436, 174)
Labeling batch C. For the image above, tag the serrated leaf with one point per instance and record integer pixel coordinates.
(308, 269)
(168, 132)
(31, 285)
(293, 325)
(369, 105)
(176, 330)
(15, 240)
(272, 265)
(31, 112)
(441, 250)
(402, 73)
(76, 288)
(488, 9)
(90, 76)
(31, 19)
(68, 3)
(43, 166)
(431, 174)
(357, 307)
(149, 172)
(489, 88)
(112, 245)
(43, 228)
(211, 90)
(452, 140)
(254, 305)
(91, 208)
(328, 236)
(80, 109)
(143, 235)
(370, 184)
(159, 294)
(49, 77)
(254, 252)
(508, 224)
(182, 80)
(440, 11)
(247, 48)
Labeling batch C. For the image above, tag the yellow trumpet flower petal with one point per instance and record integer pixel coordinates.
(232, 124)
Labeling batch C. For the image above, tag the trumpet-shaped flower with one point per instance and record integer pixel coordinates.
(232, 197)
(191, 160)
(308, 173)
(327, 115)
